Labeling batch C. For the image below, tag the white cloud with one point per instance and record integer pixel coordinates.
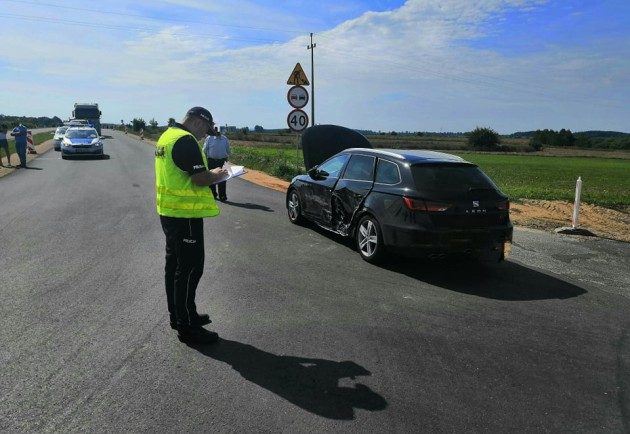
(406, 69)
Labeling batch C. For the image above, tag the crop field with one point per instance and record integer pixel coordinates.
(606, 181)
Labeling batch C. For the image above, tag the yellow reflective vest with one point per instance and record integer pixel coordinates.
(176, 195)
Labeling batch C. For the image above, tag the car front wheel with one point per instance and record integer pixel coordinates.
(369, 239)
(294, 207)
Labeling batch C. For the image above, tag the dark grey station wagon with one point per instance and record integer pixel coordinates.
(419, 203)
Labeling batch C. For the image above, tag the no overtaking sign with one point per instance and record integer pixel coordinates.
(297, 97)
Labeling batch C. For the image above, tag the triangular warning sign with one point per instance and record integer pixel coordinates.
(298, 77)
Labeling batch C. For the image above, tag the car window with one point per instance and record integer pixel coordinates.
(360, 168)
(81, 134)
(334, 165)
(387, 172)
(449, 180)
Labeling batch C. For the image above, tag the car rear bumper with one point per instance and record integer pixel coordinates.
(470, 242)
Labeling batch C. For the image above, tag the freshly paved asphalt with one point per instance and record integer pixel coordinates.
(313, 338)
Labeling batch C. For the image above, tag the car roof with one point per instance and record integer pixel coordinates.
(81, 128)
(412, 156)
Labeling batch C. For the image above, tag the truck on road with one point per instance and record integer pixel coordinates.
(89, 112)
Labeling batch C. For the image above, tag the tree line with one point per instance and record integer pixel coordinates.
(489, 140)
(30, 121)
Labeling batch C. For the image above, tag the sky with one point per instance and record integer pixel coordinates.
(390, 65)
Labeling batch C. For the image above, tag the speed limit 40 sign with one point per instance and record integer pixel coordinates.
(297, 120)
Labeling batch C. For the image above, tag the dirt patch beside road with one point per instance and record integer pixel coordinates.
(540, 214)
(551, 214)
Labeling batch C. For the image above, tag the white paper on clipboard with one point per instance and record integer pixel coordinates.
(233, 172)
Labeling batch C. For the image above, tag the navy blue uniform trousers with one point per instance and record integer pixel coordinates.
(184, 266)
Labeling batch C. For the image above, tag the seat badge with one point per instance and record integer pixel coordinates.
(475, 203)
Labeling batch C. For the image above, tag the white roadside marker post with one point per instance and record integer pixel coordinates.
(576, 204)
(573, 229)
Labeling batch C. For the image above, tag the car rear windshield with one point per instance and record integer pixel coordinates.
(451, 180)
(81, 134)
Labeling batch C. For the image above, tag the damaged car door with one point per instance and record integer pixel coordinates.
(351, 190)
(322, 181)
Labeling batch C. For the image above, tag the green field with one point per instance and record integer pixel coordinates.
(606, 181)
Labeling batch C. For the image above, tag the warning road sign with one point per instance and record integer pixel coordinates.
(298, 77)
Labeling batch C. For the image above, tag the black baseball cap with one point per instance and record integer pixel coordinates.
(202, 113)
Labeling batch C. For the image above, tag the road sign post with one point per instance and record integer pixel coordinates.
(297, 96)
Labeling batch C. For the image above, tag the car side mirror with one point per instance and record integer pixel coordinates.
(312, 172)
(317, 174)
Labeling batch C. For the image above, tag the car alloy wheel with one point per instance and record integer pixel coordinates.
(369, 239)
(293, 207)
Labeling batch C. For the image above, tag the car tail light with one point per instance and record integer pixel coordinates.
(425, 205)
(504, 205)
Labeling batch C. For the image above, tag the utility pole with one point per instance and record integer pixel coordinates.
(312, 48)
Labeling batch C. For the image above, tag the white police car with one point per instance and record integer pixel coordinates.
(58, 137)
(81, 141)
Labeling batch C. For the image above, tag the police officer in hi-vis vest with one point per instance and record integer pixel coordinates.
(183, 200)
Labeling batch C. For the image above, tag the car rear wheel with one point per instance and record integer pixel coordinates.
(369, 239)
(294, 208)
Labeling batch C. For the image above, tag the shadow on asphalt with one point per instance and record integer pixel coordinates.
(311, 384)
(249, 205)
(507, 280)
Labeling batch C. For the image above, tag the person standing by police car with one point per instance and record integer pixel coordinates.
(19, 133)
(183, 199)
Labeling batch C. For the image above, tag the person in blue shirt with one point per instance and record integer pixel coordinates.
(19, 133)
(217, 149)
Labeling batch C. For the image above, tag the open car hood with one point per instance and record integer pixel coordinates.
(323, 141)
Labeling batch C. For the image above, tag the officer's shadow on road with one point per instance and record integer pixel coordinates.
(311, 384)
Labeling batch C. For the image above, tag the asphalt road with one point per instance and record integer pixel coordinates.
(313, 338)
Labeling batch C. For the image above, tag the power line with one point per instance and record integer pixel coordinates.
(483, 80)
(171, 20)
(54, 20)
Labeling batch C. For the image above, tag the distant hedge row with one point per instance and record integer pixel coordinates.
(30, 122)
